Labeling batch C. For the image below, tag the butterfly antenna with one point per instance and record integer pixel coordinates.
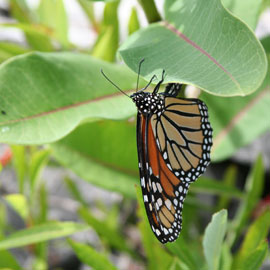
(114, 84)
(139, 71)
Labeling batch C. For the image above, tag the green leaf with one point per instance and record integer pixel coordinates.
(44, 232)
(21, 11)
(88, 8)
(182, 250)
(94, 171)
(43, 204)
(213, 239)
(238, 121)
(3, 220)
(75, 192)
(7, 261)
(46, 96)
(255, 258)
(38, 161)
(118, 150)
(52, 14)
(19, 162)
(207, 185)
(255, 237)
(107, 43)
(229, 180)
(220, 54)
(246, 10)
(19, 204)
(102, 48)
(108, 234)
(133, 24)
(90, 256)
(253, 189)
(226, 257)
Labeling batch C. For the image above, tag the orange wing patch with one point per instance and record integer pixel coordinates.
(168, 193)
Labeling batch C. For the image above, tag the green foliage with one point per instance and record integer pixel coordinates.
(213, 238)
(54, 93)
(91, 257)
(61, 109)
(39, 233)
(7, 261)
(133, 24)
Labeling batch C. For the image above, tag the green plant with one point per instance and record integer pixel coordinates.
(58, 110)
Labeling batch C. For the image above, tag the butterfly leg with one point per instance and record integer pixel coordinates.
(160, 82)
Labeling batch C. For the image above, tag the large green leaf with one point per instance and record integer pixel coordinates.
(41, 233)
(111, 142)
(202, 44)
(45, 96)
(213, 238)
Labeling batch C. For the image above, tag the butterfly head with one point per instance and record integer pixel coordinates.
(148, 103)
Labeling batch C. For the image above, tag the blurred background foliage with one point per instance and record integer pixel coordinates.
(69, 185)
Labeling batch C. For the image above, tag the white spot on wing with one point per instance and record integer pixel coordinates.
(165, 155)
(168, 204)
(154, 187)
(159, 201)
(159, 187)
(143, 182)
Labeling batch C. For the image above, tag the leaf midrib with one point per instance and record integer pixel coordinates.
(64, 108)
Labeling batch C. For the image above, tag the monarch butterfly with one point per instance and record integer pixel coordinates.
(174, 139)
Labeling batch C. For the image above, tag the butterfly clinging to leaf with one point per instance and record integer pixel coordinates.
(174, 139)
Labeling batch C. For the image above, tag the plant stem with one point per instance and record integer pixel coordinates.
(150, 10)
